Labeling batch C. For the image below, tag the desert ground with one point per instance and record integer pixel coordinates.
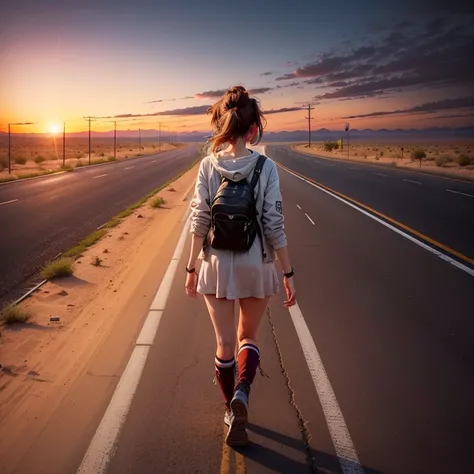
(35, 155)
(450, 158)
(70, 316)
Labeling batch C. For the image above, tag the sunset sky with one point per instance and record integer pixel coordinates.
(374, 63)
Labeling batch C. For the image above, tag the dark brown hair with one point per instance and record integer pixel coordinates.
(233, 115)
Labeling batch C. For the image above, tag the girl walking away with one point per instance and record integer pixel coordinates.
(237, 233)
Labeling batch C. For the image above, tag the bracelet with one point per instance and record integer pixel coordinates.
(290, 274)
(191, 270)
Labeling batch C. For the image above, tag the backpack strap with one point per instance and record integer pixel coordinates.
(257, 171)
(253, 183)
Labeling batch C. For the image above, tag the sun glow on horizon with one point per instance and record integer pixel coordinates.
(54, 128)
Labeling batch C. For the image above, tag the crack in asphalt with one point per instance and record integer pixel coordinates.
(305, 433)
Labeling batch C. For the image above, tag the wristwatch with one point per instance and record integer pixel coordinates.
(191, 270)
(290, 274)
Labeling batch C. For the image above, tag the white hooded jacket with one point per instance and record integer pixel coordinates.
(267, 193)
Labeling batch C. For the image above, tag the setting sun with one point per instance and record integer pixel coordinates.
(54, 128)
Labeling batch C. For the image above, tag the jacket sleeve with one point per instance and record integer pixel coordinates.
(200, 204)
(272, 216)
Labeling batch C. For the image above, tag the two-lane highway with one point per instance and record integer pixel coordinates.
(372, 372)
(43, 217)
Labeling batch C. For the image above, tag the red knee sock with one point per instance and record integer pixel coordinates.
(225, 374)
(248, 360)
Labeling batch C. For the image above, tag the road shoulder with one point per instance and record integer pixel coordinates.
(50, 367)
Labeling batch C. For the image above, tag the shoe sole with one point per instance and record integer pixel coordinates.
(237, 434)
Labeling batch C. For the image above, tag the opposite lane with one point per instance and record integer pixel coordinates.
(52, 214)
(431, 207)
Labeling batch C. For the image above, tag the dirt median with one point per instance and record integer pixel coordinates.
(43, 358)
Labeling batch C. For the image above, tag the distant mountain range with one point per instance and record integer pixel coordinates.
(298, 135)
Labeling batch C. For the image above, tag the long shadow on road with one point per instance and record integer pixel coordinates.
(322, 462)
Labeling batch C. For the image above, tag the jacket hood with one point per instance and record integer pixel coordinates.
(235, 169)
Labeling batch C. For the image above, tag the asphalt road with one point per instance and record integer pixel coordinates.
(393, 326)
(440, 208)
(42, 217)
(393, 329)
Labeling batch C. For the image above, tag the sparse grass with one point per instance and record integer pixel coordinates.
(80, 164)
(67, 167)
(5, 179)
(441, 160)
(111, 158)
(157, 202)
(85, 243)
(463, 160)
(62, 267)
(13, 314)
(39, 159)
(96, 261)
(20, 160)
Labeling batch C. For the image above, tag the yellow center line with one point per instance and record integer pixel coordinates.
(239, 463)
(225, 459)
(387, 218)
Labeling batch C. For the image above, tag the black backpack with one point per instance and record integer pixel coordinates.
(234, 216)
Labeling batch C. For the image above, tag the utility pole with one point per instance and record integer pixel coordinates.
(9, 150)
(10, 143)
(115, 139)
(159, 140)
(140, 140)
(64, 144)
(308, 118)
(90, 119)
(347, 128)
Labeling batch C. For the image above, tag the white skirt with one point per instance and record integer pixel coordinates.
(235, 275)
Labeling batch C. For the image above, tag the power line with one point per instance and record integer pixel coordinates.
(308, 118)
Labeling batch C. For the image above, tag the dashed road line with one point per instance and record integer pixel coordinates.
(309, 218)
(299, 207)
(381, 174)
(355, 169)
(100, 176)
(411, 181)
(129, 168)
(458, 192)
(8, 202)
(154, 161)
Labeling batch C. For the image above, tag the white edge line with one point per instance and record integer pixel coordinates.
(439, 254)
(101, 448)
(458, 192)
(309, 218)
(148, 332)
(103, 442)
(101, 226)
(8, 202)
(298, 207)
(341, 438)
(381, 174)
(411, 181)
(129, 168)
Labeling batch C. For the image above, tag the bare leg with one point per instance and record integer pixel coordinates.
(221, 312)
(250, 317)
